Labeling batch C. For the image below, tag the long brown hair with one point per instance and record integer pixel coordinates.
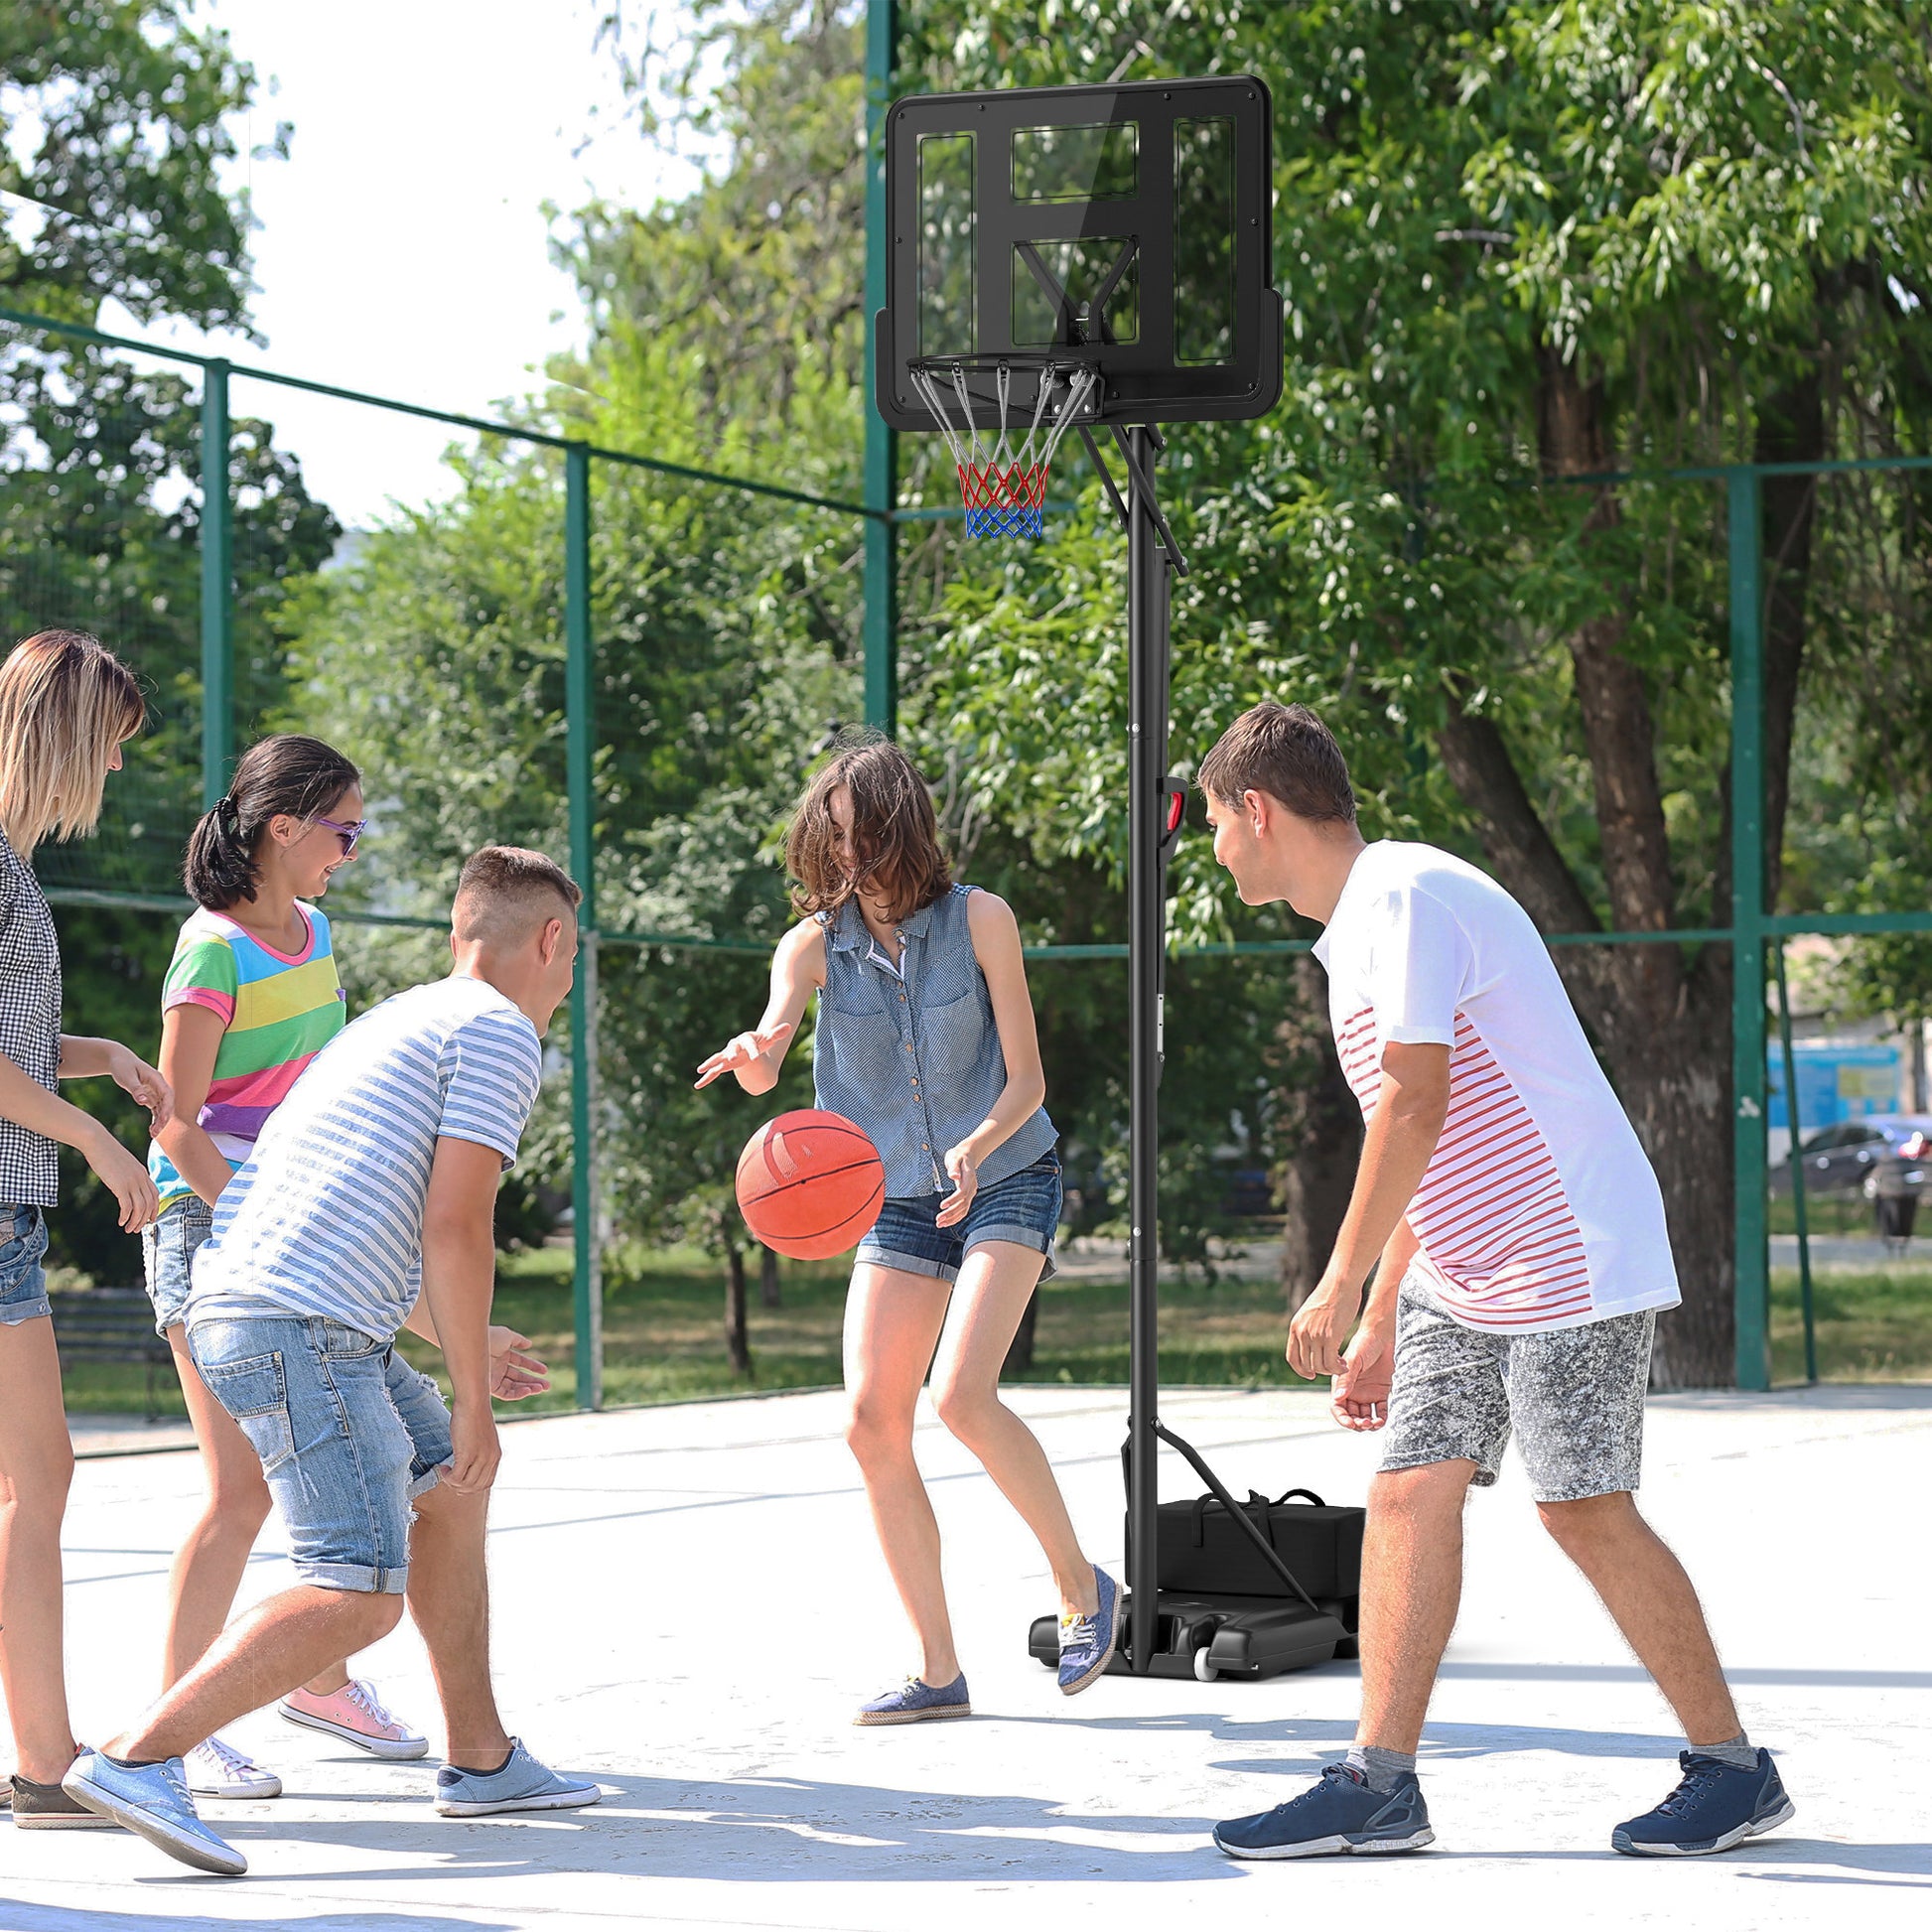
(895, 834)
(66, 702)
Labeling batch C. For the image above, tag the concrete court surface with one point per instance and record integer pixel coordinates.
(689, 1606)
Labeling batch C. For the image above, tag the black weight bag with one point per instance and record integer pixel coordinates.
(1201, 1551)
(1243, 1590)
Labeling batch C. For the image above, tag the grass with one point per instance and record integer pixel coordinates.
(1873, 1324)
(1841, 1212)
(663, 1331)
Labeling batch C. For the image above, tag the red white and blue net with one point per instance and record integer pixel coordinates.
(1002, 474)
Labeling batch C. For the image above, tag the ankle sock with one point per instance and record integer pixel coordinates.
(473, 1771)
(1738, 1752)
(1381, 1770)
(134, 1763)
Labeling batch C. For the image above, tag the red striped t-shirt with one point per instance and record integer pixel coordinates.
(1538, 1210)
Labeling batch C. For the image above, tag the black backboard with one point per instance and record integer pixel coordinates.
(1128, 228)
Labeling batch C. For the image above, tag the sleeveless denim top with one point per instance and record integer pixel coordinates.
(917, 1063)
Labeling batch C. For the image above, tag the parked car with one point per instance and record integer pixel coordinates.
(1837, 1160)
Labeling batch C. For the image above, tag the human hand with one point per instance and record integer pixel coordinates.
(513, 1374)
(741, 1052)
(125, 1177)
(1316, 1334)
(1360, 1393)
(134, 1075)
(965, 1173)
(474, 1448)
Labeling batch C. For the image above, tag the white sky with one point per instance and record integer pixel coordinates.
(402, 248)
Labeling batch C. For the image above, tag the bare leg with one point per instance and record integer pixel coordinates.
(1412, 1587)
(988, 1300)
(36, 1469)
(209, 1567)
(892, 1326)
(1644, 1588)
(448, 1598)
(263, 1655)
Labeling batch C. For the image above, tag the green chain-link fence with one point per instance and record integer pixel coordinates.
(147, 508)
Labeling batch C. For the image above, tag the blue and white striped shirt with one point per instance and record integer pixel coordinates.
(326, 1218)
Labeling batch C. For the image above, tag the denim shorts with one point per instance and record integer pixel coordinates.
(23, 1282)
(167, 1252)
(1024, 1208)
(349, 1435)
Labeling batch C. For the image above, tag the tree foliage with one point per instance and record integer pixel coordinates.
(115, 124)
(1520, 246)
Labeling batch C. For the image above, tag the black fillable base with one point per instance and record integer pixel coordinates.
(1224, 1636)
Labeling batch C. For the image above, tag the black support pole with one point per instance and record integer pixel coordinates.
(1147, 606)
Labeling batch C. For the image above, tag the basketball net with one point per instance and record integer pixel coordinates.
(1003, 481)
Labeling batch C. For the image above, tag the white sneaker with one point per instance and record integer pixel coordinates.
(217, 1771)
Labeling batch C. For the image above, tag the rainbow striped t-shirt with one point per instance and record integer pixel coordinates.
(280, 1011)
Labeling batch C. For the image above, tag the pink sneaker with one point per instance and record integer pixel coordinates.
(355, 1715)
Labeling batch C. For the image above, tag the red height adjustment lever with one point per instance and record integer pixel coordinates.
(1176, 796)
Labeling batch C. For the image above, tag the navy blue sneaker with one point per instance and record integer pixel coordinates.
(1087, 1642)
(1340, 1813)
(914, 1701)
(1715, 1806)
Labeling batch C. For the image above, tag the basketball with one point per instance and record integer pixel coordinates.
(810, 1184)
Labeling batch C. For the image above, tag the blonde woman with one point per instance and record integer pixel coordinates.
(66, 707)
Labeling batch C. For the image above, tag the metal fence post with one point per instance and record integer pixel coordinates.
(881, 493)
(218, 588)
(1747, 1030)
(580, 746)
(1807, 1302)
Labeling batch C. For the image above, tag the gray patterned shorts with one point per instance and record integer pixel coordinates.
(1573, 1396)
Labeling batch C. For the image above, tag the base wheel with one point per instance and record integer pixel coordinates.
(1205, 1670)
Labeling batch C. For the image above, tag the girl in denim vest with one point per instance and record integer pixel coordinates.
(926, 1038)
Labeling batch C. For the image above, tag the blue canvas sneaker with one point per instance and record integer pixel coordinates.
(1715, 1806)
(152, 1800)
(1086, 1642)
(1340, 1813)
(522, 1784)
(914, 1701)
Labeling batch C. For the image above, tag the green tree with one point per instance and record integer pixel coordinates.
(1519, 245)
(115, 125)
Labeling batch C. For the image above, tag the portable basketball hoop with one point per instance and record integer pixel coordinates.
(1099, 259)
(1003, 483)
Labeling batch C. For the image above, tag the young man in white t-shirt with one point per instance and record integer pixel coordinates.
(1520, 1256)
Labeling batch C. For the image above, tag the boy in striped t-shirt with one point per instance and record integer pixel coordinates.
(367, 1203)
(1520, 1255)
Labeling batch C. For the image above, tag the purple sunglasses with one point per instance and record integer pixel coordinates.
(349, 833)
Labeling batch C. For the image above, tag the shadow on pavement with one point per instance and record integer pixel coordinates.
(775, 1830)
(22, 1917)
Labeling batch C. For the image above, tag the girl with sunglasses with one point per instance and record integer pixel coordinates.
(250, 999)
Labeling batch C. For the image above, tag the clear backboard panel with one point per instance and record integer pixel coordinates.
(1127, 229)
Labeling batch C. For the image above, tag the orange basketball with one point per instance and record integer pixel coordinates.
(810, 1184)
